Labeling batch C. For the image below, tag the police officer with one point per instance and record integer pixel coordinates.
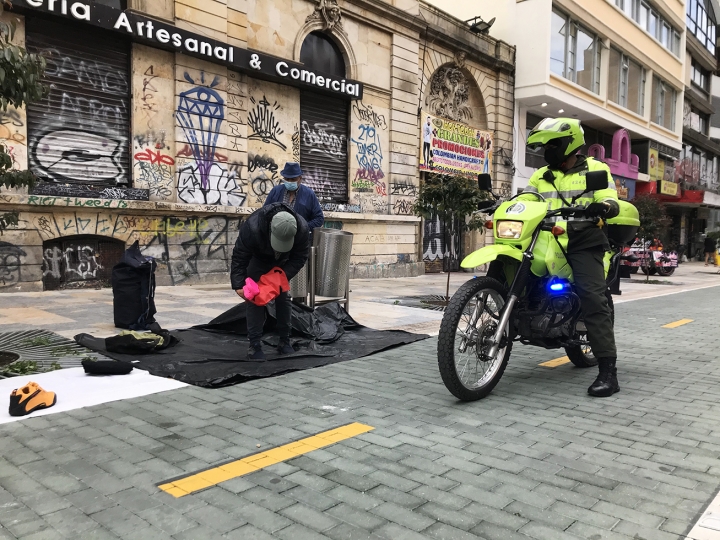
(562, 183)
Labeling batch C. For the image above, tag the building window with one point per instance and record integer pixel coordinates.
(695, 119)
(575, 52)
(700, 77)
(701, 23)
(626, 82)
(534, 157)
(652, 22)
(664, 100)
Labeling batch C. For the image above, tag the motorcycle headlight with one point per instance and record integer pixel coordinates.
(509, 229)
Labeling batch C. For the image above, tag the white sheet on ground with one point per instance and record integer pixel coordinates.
(75, 389)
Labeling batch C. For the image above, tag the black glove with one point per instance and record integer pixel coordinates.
(597, 209)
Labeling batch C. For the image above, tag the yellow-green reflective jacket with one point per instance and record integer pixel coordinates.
(570, 185)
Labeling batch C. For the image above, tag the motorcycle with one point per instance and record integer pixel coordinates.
(535, 302)
(651, 260)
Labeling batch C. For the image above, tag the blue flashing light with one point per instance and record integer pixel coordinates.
(557, 285)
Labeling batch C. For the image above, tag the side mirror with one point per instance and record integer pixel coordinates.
(485, 182)
(482, 205)
(596, 180)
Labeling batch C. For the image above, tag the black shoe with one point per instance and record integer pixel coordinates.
(606, 383)
(284, 347)
(255, 352)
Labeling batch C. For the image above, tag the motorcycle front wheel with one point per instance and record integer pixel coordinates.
(470, 318)
(666, 271)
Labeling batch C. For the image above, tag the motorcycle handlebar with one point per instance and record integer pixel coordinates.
(567, 211)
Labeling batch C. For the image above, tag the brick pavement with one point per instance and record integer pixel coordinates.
(537, 459)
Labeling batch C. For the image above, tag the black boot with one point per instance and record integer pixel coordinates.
(606, 383)
(284, 347)
(255, 352)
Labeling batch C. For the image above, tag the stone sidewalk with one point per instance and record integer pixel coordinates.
(377, 303)
(537, 459)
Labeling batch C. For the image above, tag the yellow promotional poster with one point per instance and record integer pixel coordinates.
(653, 165)
(661, 170)
(453, 147)
(668, 188)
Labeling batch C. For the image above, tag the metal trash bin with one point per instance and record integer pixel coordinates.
(299, 284)
(332, 262)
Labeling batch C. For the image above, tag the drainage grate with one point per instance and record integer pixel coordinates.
(39, 351)
(7, 358)
(434, 302)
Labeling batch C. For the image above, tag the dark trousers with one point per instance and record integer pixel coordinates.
(256, 318)
(589, 273)
(256, 314)
(426, 153)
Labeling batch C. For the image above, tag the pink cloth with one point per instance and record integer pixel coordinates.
(251, 289)
(271, 285)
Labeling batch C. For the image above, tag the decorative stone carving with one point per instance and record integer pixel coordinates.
(460, 59)
(328, 12)
(449, 92)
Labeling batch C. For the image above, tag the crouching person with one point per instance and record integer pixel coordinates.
(272, 236)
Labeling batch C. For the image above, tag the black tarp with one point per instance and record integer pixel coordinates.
(215, 354)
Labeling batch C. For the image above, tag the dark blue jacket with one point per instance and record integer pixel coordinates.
(307, 205)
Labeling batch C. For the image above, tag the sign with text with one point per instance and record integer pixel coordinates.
(453, 147)
(142, 29)
(653, 165)
(668, 188)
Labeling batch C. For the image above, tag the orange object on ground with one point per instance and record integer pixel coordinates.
(30, 398)
(271, 285)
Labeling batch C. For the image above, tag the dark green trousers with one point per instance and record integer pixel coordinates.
(588, 269)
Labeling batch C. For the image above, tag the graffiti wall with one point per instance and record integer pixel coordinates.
(273, 135)
(153, 144)
(80, 132)
(207, 104)
(44, 248)
(370, 155)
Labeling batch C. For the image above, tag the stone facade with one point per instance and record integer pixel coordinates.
(199, 193)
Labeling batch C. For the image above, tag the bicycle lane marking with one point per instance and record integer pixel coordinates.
(191, 483)
(676, 324)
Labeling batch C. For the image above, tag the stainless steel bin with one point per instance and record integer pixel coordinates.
(299, 284)
(333, 261)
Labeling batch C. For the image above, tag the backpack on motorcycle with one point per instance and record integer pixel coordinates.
(133, 284)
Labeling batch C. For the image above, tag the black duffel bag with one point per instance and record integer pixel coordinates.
(133, 283)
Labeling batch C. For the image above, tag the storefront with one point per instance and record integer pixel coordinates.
(171, 137)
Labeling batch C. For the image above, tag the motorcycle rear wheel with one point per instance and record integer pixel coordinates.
(470, 317)
(666, 271)
(581, 356)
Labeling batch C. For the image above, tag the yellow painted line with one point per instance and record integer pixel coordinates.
(222, 473)
(677, 323)
(555, 363)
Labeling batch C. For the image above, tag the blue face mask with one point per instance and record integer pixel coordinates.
(290, 186)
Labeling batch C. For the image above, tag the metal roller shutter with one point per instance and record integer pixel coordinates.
(324, 146)
(80, 133)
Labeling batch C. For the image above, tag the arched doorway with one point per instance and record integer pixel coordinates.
(324, 124)
(77, 262)
(451, 97)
